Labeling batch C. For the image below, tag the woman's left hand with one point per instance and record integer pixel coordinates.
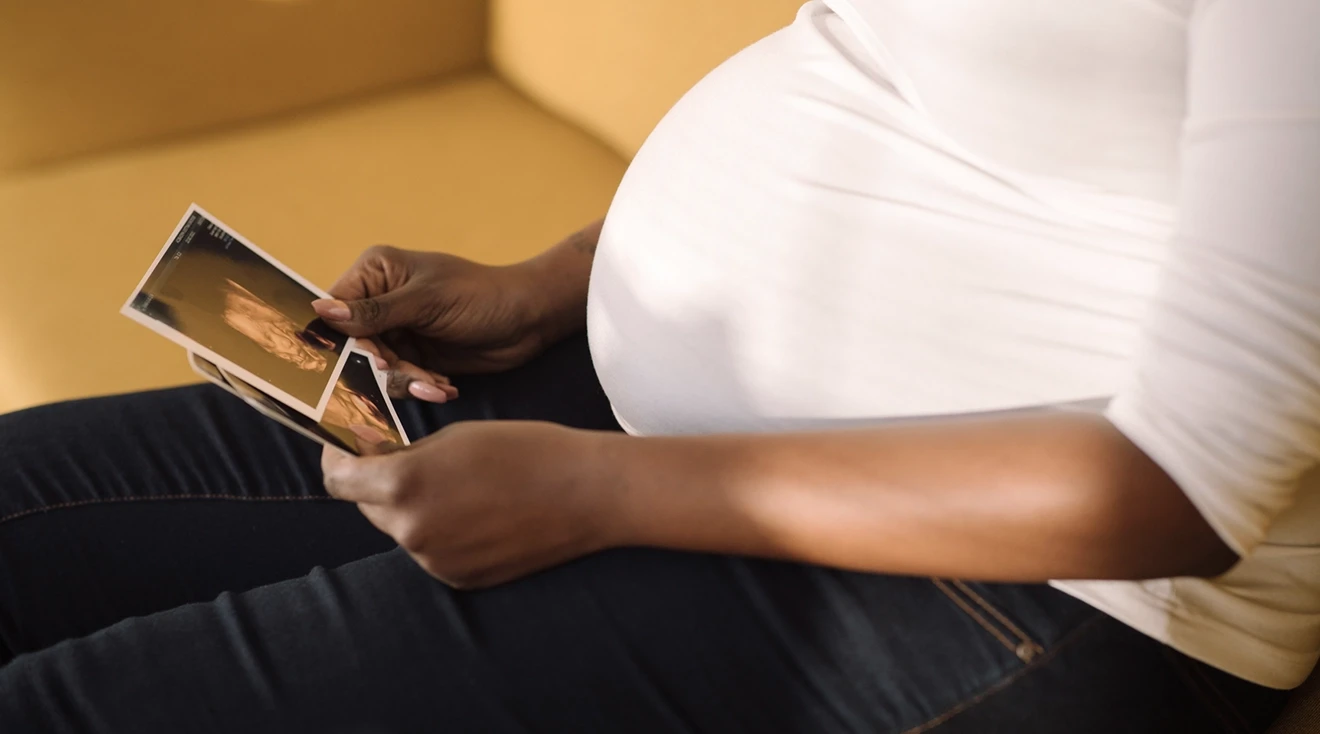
(482, 502)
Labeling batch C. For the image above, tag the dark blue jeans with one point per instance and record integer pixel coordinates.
(170, 563)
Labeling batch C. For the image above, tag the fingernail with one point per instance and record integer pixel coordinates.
(369, 434)
(430, 393)
(334, 310)
(371, 442)
(381, 364)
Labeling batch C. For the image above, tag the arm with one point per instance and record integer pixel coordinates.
(1022, 498)
(1059, 495)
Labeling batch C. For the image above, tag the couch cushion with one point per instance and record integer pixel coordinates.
(469, 166)
(615, 67)
(84, 76)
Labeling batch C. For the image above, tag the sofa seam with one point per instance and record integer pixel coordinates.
(110, 500)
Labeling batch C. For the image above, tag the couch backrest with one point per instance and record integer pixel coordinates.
(78, 76)
(615, 67)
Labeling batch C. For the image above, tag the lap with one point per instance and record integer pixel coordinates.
(131, 504)
(119, 506)
(628, 640)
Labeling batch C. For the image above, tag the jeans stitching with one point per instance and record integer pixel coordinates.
(1190, 680)
(1008, 679)
(108, 500)
(967, 608)
(989, 608)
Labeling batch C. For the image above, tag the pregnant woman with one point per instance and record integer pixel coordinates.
(939, 366)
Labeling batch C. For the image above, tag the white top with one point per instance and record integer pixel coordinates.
(898, 208)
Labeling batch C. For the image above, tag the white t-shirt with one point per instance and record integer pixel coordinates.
(898, 208)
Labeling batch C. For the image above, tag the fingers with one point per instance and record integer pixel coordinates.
(368, 316)
(379, 269)
(380, 486)
(382, 517)
(406, 379)
(371, 296)
(397, 382)
(371, 441)
(374, 297)
(369, 479)
(382, 354)
(432, 393)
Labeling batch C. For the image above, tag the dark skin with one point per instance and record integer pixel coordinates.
(1027, 497)
(429, 314)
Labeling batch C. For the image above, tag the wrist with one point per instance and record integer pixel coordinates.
(555, 286)
(555, 301)
(680, 493)
(602, 484)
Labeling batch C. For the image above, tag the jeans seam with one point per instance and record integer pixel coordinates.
(108, 500)
(1193, 682)
(992, 611)
(1008, 679)
(976, 616)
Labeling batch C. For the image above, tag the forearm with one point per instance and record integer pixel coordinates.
(559, 278)
(1018, 498)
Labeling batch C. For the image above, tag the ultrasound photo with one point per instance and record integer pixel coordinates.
(223, 298)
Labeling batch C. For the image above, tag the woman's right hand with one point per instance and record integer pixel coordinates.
(429, 314)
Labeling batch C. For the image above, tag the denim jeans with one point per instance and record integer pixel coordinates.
(169, 562)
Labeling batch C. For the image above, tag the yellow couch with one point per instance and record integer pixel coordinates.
(316, 128)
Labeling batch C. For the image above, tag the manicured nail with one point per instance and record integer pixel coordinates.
(371, 442)
(429, 393)
(367, 433)
(333, 310)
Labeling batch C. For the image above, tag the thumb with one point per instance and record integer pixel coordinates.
(367, 316)
(372, 442)
(371, 479)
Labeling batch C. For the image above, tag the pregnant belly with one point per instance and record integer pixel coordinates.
(795, 247)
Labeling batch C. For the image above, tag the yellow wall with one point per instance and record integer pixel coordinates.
(78, 77)
(616, 66)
